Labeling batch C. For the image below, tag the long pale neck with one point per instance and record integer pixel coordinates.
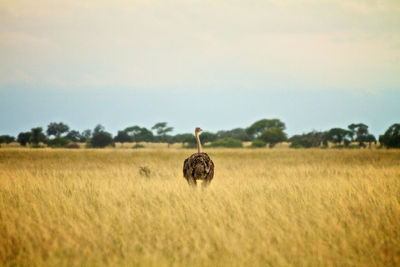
(198, 142)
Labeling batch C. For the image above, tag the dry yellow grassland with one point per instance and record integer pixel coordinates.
(263, 208)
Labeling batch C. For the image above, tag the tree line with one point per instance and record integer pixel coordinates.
(262, 133)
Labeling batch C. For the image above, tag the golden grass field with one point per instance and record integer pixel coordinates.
(265, 207)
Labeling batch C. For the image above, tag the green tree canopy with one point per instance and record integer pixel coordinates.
(391, 138)
(7, 139)
(273, 135)
(188, 140)
(122, 137)
(37, 135)
(162, 129)
(308, 140)
(56, 129)
(139, 134)
(370, 139)
(24, 138)
(58, 142)
(86, 135)
(339, 135)
(98, 129)
(256, 129)
(359, 133)
(74, 136)
(206, 137)
(184, 138)
(101, 138)
(237, 133)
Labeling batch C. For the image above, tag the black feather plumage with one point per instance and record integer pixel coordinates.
(198, 166)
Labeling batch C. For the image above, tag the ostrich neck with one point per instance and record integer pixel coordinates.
(198, 143)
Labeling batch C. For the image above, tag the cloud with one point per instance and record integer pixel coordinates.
(187, 45)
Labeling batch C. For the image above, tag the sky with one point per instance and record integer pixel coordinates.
(216, 64)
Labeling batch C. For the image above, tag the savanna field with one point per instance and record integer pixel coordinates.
(265, 207)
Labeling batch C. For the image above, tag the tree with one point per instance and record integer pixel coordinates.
(24, 138)
(370, 139)
(74, 136)
(7, 139)
(360, 132)
(139, 134)
(57, 129)
(122, 137)
(339, 135)
(187, 138)
(99, 128)
(237, 133)
(86, 135)
(257, 128)
(206, 137)
(308, 140)
(100, 137)
(162, 129)
(273, 135)
(37, 136)
(58, 142)
(391, 138)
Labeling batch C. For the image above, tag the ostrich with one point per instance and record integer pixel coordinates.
(198, 166)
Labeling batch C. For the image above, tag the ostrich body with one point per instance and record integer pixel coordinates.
(198, 166)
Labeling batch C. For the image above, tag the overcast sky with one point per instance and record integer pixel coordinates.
(215, 64)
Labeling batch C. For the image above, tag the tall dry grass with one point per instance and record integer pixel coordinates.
(263, 208)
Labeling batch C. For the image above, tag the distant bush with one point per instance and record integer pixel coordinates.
(58, 142)
(101, 139)
(296, 144)
(73, 145)
(227, 142)
(257, 143)
(312, 139)
(7, 139)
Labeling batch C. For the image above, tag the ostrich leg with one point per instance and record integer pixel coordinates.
(192, 182)
(206, 183)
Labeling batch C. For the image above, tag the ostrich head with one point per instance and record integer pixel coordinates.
(197, 130)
